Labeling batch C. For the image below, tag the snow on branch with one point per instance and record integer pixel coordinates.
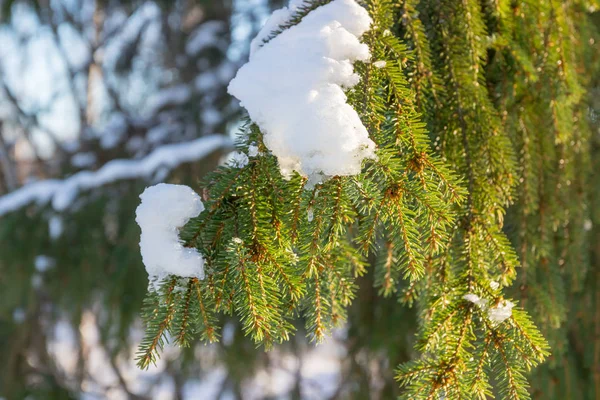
(164, 209)
(176, 95)
(293, 88)
(498, 313)
(209, 34)
(62, 193)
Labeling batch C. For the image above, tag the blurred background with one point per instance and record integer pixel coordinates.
(99, 99)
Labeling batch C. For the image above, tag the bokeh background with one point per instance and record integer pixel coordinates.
(84, 83)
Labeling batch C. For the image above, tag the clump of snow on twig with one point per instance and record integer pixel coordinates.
(206, 35)
(19, 315)
(83, 160)
(293, 87)
(238, 159)
(43, 263)
(164, 209)
(498, 313)
(501, 312)
(175, 95)
(55, 227)
(473, 298)
(252, 150)
(62, 193)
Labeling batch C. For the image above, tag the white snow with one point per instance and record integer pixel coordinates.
(208, 80)
(501, 312)
(498, 313)
(171, 96)
(293, 89)
(36, 281)
(494, 285)
(19, 315)
(128, 32)
(238, 159)
(379, 64)
(206, 35)
(162, 132)
(252, 150)
(164, 209)
(62, 193)
(113, 131)
(43, 263)
(211, 116)
(40, 192)
(55, 227)
(473, 298)
(83, 160)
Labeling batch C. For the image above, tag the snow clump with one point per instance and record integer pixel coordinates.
(252, 150)
(164, 209)
(498, 313)
(43, 263)
(238, 159)
(501, 312)
(473, 298)
(293, 88)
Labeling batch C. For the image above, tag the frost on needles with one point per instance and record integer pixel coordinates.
(293, 88)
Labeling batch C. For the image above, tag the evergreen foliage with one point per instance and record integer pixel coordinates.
(275, 248)
(487, 82)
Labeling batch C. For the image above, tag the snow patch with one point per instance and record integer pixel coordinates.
(55, 227)
(43, 263)
(501, 312)
(473, 298)
(113, 131)
(164, 209)
(293, 89)
(37, 281)
(379, 64)
(19, 315)
(83, 160)
(62, 193)
(211, 116)
(162, 132)
(238, 159)
(205, 36)
(498, 313)
(252, 150)
(171, 96)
